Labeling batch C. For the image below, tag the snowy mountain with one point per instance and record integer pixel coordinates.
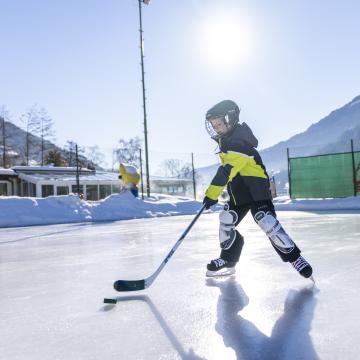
(331, 134)
(343, 144)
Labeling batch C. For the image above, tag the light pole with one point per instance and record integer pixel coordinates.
(144, 98)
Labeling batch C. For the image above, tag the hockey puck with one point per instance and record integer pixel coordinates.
(110, 301)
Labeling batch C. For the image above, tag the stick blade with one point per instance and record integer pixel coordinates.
(129, 285)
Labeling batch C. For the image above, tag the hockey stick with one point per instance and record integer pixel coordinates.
(134, 285)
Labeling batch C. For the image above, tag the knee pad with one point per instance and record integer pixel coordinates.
(227, 234)
(275, 232)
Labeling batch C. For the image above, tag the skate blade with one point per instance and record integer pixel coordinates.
(221, 273)
(312, 279)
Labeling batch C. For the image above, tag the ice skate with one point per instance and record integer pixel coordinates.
(220, 267)
(303, 268)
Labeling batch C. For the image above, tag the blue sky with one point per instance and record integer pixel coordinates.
(286, 63)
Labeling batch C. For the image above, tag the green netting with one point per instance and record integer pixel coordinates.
(323, 176)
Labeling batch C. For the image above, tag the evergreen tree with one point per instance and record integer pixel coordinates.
(54, 157)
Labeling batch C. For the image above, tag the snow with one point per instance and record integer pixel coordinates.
(7, 172)
(340, 204)
(355, 102)
(49, 168)
(25, 211)
(19, 211)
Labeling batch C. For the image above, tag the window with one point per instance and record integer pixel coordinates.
(32, 189)
(62, 190)
(105, 190)
(115, 189)
(25, 188)
(92, 192)
(47, 190)
(74, 189)
(3, 189)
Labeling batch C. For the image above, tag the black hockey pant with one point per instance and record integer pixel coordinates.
(233, 254)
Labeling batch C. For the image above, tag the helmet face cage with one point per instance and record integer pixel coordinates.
(230, 119)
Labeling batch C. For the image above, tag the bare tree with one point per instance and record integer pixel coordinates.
(171, 167)
(128, 151)
(30, 120)
(177, 168)
(4, 117)
(186, 171)
(70, 148)
(94, 155)
(70, 156)
(45, 130)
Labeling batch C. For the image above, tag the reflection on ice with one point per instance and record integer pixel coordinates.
(289, 339)
(190, 355)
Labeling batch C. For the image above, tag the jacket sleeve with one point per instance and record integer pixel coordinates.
(232, 162)
(219, 181)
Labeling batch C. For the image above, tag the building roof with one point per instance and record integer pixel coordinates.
(7, 172)
(173, 179)
(49, 169)
(37, 174)
(62, 177)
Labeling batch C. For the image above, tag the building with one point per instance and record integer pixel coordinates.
(8, 182)
(43, 181)
(172, 186)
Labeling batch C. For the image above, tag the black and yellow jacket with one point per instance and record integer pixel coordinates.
(241, 169)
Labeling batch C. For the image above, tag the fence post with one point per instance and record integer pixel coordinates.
(353, 164)
(193, 174)
(289, 171)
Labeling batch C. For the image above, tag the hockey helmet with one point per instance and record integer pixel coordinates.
(226, 113)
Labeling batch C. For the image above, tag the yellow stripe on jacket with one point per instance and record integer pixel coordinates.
(240, 163)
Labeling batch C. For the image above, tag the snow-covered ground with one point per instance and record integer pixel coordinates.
(19, 211)
(53, 280)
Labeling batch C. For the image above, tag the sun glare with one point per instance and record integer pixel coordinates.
(225, 41)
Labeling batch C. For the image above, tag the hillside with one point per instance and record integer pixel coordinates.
(15, 146)
(336, 128)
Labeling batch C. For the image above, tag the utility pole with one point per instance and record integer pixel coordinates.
(144, 98)
(77, 171)
(193, 174)
(4, 141)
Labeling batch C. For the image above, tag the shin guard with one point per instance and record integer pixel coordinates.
(227, 233)
(275, 232)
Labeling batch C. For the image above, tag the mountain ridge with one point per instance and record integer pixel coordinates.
(16, 142)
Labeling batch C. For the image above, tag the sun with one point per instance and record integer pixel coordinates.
(225, 41)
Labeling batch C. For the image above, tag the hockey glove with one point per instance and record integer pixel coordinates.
(209, 202)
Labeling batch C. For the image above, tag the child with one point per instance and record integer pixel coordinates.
(248, 186)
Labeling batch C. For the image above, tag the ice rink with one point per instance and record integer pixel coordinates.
(53, 280)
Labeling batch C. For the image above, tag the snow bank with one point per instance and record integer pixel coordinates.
(343, 204)
(19, 211)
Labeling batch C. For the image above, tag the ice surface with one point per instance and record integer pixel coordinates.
(53, 280)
